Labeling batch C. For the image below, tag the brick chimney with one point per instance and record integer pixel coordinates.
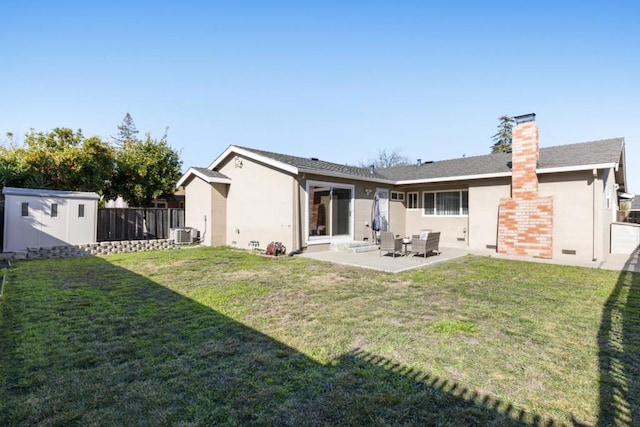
(525, 220)
(524, 157)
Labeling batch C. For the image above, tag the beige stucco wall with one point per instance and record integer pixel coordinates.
(398, 217)
(198, 201)
(484, 201)
(218, 223)
(260, 204)
(453, 229)
(573, 214)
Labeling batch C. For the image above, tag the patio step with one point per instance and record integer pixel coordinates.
(354, 247)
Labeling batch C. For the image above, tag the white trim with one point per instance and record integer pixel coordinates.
(417, 193)
(202, 176)
(508, 174)
(251, 155)
(387, 208)
(347, 176)
(460, 215)
(454, 178)
(328, 238)
(36, 192)
(578, 168)
(399, 196)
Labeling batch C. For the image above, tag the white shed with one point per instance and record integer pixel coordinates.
(46, 218)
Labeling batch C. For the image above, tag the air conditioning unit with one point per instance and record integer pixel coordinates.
(182, 235)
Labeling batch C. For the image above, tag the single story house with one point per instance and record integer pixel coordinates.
(554, 202)
(47, 218)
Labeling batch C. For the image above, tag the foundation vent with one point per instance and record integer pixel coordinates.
(568, 252)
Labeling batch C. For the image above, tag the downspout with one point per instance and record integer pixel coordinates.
(298, 215)
(593, 231)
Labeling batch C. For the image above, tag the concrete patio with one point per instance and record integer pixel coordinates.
(373, 260)
(387, 263)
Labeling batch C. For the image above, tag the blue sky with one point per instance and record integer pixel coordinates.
(335, 80)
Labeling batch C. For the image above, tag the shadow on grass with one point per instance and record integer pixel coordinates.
(619, 352)
(101, 345)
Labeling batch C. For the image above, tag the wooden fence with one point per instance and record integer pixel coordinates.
(116, 224)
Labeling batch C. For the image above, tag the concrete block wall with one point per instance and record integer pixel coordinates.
(102, 248)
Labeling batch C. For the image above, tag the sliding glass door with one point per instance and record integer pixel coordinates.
(329, 210)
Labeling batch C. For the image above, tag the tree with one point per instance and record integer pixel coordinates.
(61, 159)
(126, 131)
(502, 138)
(386, 159)
(146, 170)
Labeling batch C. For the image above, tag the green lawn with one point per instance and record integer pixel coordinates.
(222, 337)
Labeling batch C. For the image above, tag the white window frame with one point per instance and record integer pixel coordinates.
(310, 240)
(397, 196)
(435, 204)
(417, 206)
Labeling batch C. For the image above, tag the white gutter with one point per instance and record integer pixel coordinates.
(508, 174)
(579, 168)
(347, 176)
(454, 178)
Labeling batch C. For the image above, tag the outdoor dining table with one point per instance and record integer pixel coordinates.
(406, 241)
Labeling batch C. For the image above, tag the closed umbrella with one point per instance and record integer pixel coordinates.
(375, 217)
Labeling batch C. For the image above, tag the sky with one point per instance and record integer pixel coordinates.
(337, 80)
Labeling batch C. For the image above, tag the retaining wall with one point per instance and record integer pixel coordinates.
(102, 248)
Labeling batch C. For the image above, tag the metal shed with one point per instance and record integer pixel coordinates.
(47, 218)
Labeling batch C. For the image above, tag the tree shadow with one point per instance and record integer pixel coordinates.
(619, 352)
(111, 347)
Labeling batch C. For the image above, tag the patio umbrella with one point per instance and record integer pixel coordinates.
(375, 216)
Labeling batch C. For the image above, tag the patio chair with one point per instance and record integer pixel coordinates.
(390, 243)
(426, 246)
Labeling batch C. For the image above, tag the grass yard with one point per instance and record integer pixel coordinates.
(222, 337)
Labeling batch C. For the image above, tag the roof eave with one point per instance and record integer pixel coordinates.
(202, 176)
(232, 149)
(576, 168)
(346, 175)
(454, 178)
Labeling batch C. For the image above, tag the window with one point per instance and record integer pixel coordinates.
(25, 209)
(396, 195)
(80, 211)
(446, 203)
(162, 205)
(412, 200)
(54, 210)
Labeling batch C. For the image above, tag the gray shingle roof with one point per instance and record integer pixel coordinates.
(210, 173)
(580, 154)
(320, 166)
(606, 151)
(572, 155)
